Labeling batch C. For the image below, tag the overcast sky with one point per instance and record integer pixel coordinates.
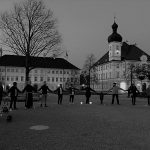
(86, 24)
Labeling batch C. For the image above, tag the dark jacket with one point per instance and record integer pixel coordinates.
(28, 88)
(14, 91)
(134, 90)
(44, 89)
(88, 91)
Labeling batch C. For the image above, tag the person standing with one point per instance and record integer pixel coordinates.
(1, 92)
(88, 93)
(148, 94)
(29, 96)
(72, 90)
(133, 92)
(13, 94)
(115, 91)
(59, 91)
(44, 89)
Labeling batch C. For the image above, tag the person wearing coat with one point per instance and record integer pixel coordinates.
(59, 92)
(148, 94)
(13, 94)
(44, 89)
(72, 90)
(115, 91)
(29, 89)
(133, 91)
(88, 93)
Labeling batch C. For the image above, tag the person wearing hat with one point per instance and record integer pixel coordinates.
(115, 90)
(13, 94)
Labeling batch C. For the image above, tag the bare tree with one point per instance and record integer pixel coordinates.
(30, 30)
(89, 71)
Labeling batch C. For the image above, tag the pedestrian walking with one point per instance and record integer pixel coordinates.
(148, 94)
(88, 93)
(72, 90)
(13, 94)
(115, 91)
(133, 92)
(44, 89)
(59, 91)
(1, 92)
(29, 95)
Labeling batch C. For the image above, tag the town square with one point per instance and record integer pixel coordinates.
(74, 75)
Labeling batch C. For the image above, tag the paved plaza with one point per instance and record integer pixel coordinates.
(78, 127)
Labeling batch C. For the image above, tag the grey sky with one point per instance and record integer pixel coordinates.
(86, 24)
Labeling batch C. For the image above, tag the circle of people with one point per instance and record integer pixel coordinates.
(29, 89)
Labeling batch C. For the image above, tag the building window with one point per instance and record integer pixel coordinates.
(48, 79)
(16, 78)
(22, 78)
(64, 79)
(117, 65)
(7, 78)
(60, 79)
(53, 79)
(117, 47)
(41, 79)
(56, 79)
(35, 79)
(60, 72)
(53, 72)
(8, 70)
(56, 72)
(48, 71)
(64, 72)
(67, 72)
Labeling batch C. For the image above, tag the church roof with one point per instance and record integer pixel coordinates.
(37, 62)
(128, 52)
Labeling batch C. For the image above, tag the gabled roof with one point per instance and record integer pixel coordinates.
(128, 52)
(37, 62)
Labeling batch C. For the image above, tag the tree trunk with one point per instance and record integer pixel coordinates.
(27, 67)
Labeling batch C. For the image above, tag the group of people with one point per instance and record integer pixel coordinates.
(29, 89)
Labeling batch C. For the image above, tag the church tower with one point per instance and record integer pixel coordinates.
(115, 42)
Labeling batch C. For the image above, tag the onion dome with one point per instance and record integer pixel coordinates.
(114, 37)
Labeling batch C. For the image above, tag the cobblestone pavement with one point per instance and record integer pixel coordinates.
(78, 127)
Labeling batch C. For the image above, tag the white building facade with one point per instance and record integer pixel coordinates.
(64, 73)
(114, 65)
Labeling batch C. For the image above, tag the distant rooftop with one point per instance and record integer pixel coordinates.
(37, 62)
(128, 52)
